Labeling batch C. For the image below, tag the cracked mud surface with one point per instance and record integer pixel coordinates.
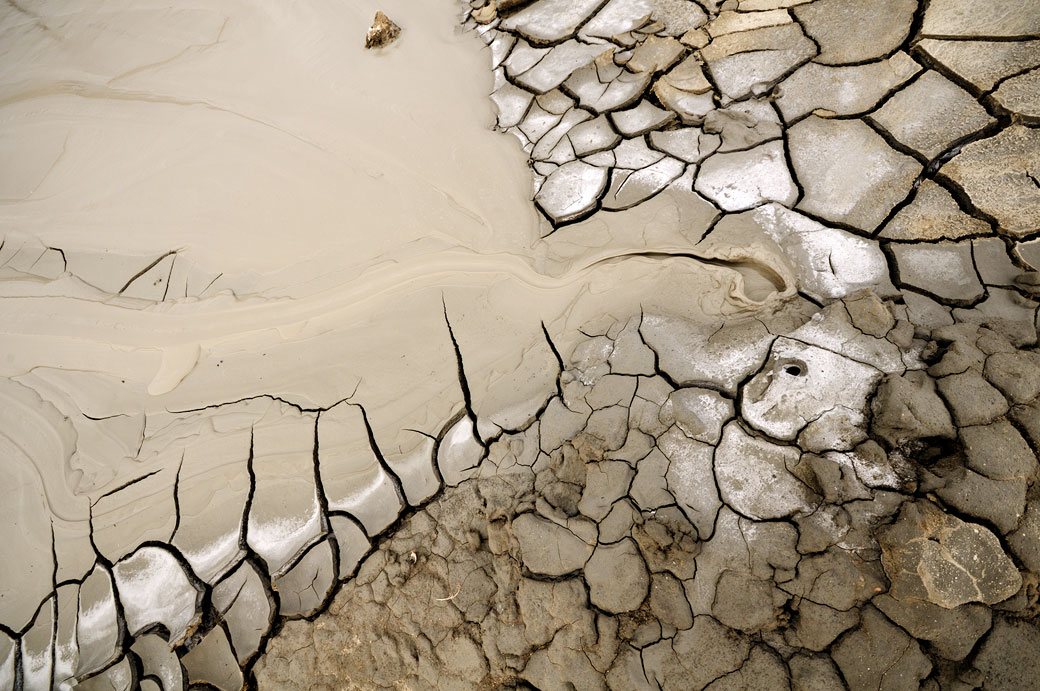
(725, 378)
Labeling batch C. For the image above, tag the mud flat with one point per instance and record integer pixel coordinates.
(724, 376)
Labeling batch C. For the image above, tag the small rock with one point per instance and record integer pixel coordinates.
(383, 32)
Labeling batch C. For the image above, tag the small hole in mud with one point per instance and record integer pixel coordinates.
(793, 370)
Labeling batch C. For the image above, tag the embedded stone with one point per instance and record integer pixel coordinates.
(383, 32)
(933, 556)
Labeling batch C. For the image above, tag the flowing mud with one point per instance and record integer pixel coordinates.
(724, 376)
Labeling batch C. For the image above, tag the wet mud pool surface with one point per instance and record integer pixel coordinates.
(702, 354)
